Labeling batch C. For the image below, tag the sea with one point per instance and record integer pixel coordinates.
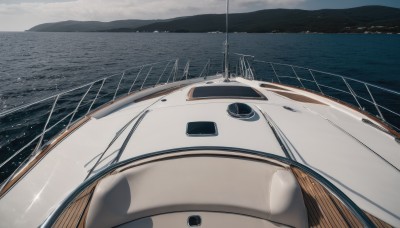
(37, 65)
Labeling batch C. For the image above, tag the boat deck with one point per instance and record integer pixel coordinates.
(327, 136)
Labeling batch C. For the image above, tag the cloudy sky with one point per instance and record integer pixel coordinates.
(19, 15)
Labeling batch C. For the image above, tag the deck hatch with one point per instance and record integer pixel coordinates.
(240, 111)
(220, 92)
(201, 128)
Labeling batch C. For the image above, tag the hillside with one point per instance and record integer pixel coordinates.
(89, 26)
(284, 20)
(359, 20)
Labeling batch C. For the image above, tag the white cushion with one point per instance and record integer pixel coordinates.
(214, 184)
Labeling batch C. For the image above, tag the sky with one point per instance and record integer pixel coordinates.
(20, 15)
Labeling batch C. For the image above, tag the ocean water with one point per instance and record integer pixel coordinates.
(36, 65)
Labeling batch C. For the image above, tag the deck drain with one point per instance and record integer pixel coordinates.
(289, 108)
(194, 221)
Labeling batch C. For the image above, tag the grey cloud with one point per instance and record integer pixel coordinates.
(32, 1)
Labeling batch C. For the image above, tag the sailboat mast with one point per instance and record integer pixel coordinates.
(227, 43)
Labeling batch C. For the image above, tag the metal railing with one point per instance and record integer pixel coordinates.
(73, 105)
(60, 111)
(379, 101)
(244, 68)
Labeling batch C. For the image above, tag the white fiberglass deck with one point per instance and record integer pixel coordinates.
(328, 137)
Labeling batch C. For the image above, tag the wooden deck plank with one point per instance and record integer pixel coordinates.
(269, 86)
(379, 223)
(73, 209)
(72, 216)
(315, 214)
(351, 219)
(324, 209)
(329, 215)
(67, 216)
(298, 97)
(78, 210)
(82, 219)
(330, 210)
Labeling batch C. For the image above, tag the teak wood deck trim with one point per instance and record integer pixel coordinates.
(159, 93)
(324, 209)
(367, 114)
(75, 214)
(298, 97)
(269, 86)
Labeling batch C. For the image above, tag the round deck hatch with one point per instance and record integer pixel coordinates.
(240, 111)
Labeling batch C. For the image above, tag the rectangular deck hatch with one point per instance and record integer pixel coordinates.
(225, 92)
(201, 128)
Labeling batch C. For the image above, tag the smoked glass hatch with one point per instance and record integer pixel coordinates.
(201, 128)
(219, 92)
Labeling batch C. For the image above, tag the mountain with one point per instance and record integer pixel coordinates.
(89, 26)
(285, 20)
(361, 19)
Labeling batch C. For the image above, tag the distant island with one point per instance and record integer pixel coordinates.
(366, 19)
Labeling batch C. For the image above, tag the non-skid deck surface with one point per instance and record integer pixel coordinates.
(324, 209)
(40, 156)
